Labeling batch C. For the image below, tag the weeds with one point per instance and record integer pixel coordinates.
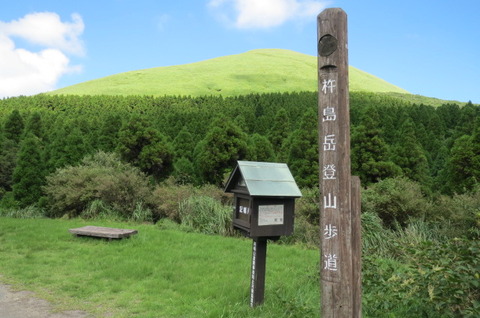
(29, 212)
(206, 215)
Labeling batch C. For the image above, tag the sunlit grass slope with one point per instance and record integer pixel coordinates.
(257, 71)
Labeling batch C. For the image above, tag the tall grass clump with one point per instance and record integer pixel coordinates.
(99, 210)
(29, 212)
(376, 239)
(166, 198)
(206, 215)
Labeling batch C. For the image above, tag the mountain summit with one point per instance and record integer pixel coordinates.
(257, 71)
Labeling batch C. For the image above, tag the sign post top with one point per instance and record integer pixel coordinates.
(331, 12)
(332, 38)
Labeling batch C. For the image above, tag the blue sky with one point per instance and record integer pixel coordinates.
(430, 48)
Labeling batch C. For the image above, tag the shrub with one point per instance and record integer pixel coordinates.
(102, 177)
(8, 202)
(395, 200)
(308, 206)
(447, 275)
(416, 272)
(388, 290)
(166, 198)
(459, 215)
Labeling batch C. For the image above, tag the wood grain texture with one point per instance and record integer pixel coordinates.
(339, 274)
(106, 232)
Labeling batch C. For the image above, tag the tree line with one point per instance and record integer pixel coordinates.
(197, 140)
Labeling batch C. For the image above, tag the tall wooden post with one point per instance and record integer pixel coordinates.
(338, 273)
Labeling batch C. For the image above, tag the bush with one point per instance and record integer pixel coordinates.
(308, 206)
(8, 202)
(395, 200)
(388, 290)
(166, 198)
(102, 177)
(447, 275)
(459, 215)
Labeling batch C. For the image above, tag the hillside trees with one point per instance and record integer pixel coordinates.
(217, 153)
(107, 138)
(34, 125)
(260, 149)
(68, 147)
(409, 155)
(183, 168)
(145, 148)
(302, 151)
(9, 141)
(279, 130)
(29, 173)
(370, 157)
(14, 125)
(8, 155)
(184, 144)
(464, 163)
(198, 139)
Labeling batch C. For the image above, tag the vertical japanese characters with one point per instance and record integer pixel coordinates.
(329, 173)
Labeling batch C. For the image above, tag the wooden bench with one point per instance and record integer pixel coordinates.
(105, 232)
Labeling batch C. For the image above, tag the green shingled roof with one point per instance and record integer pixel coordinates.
(264, 179)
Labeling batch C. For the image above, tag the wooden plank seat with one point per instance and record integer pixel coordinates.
(106, 232)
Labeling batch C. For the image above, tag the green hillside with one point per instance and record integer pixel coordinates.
(257, 71)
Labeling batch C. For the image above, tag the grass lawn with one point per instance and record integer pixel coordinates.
(156, 273)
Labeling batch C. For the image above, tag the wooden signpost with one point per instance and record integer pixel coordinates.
(264, 195)
(340, 197)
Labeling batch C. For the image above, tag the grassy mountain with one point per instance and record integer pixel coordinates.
(257, 71)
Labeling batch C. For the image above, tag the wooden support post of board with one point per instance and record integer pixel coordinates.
(338, 269)
(356, 247)
(259, 260)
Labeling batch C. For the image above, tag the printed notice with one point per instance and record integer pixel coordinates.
(270, 214)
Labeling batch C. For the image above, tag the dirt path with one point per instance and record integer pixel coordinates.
(22, 304)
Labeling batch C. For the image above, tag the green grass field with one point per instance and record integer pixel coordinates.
(157, 273)
(257, 71)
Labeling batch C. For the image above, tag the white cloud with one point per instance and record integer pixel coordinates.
(261, 14)
(24, 72)
(162, 22)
